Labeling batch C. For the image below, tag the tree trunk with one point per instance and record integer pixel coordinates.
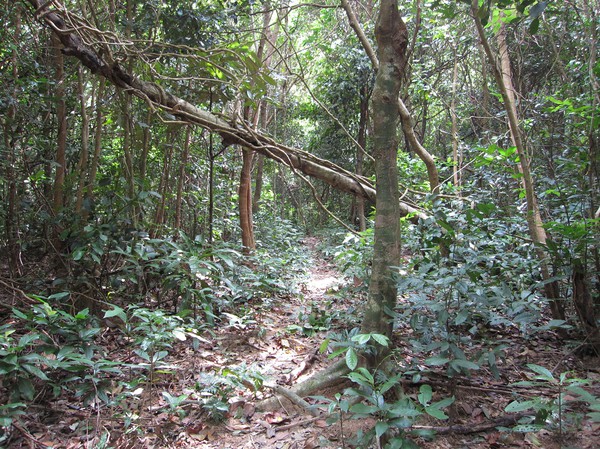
(392, 40)
(61, 140)
(258, 183)
(245, 202)
(502, 74)
(58, 196)
(181, 177)
(85, 144)
(99, 119)
(10, 142)
(362, 145)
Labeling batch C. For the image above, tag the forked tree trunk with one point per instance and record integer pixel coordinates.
(392, 41)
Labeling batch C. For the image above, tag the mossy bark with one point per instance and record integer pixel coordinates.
(392, 41)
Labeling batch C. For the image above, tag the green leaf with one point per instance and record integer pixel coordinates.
(516, 406)
(32, 369)
(59, 295)
(26, 388)
(436, 413)
(544, 373)
(444, 402)
(363, 409)
(361, 339)
(381, 428)
(436, 361)
(534, 26)
(351, 359)
(463, 364)
(425, 394)
(324, 346)
(383, 340)
(584, 394)
(116, 311)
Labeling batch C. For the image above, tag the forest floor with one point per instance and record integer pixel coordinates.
(281, 341)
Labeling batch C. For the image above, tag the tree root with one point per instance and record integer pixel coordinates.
(328, 377)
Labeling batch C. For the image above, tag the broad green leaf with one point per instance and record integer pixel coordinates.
(383, 340)
(516, 406)
(584, 394)
(463, 364)
(351, 359)
(425, 394)
(361, 339)
(363, 409)
(116, 311)
(26, 388)
(381, 428)
(436, 413)
(444, 402)
(436, 361)
(544, 373)
(32, 369)
(324, 346)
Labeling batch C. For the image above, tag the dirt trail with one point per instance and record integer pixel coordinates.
(280, 355)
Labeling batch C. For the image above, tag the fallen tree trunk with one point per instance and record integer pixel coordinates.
(231, 133)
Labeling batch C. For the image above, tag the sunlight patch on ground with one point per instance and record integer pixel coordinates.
(323, 284)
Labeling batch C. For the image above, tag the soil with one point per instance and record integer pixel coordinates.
(278, 339)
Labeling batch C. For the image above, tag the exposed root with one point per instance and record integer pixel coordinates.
(328, 377)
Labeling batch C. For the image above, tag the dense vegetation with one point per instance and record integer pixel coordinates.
(163, 164)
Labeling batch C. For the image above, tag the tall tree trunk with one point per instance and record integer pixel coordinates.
(58, 196)
(258, 182)
(181, 177)
(502, 74)
(85, 144)
(362, 145)
(10, 142)
(456, 159)
(245, 202)
(98, 122)
(392, 40)
(163, 189)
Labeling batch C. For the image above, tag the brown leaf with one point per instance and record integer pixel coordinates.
(311, 443)
(276, 418)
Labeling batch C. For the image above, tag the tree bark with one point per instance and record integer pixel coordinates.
(82, 165)
(181, 177)
(11, 226)
(392, 40)
(61, 139)
(245, 202)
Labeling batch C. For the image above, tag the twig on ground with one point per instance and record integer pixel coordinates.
(504, 421)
